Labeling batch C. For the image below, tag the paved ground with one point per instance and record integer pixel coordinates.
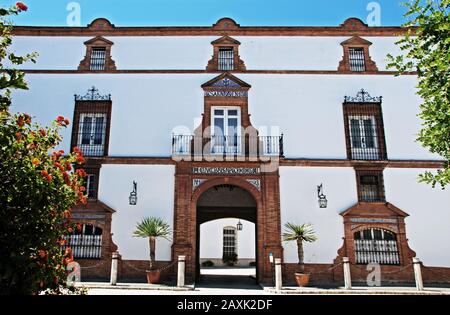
(242, 281)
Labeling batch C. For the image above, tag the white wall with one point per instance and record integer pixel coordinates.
(147, 108)
(211, 238)
(427, 227)
(194, 52)
(155, 192)
(299, 204)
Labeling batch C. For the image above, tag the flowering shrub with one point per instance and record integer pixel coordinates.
(38, 188)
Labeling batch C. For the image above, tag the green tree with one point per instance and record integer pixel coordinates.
(152, 228)
(426, 50)
(300, 234)
(37, 189)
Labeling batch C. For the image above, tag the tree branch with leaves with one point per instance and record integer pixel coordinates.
(426, 50)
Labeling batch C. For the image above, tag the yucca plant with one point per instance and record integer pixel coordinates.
(300, 233)
(152, 228)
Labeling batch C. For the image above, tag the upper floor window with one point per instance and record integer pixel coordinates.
(229, 242)
(98, 58)
(91, 181)
(356, 56)
(225, 130)
(357, 59)
(370, 186)
(226, 58)
(364, 127)
(225, 55)
(98, 55)
(91, 126)
(376, 246)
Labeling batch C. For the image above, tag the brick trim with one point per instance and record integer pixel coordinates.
(98, 41)
(374, 210)
(86, 107)
(225, 41)
(356, 42)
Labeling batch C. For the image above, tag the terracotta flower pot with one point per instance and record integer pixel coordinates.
(302, 279)
(153, 276)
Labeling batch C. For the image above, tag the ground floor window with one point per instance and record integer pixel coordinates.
(87, 243)
(229, 243)
(376, 246)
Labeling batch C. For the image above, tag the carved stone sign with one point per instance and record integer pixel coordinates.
(373, 220)
(226, 170)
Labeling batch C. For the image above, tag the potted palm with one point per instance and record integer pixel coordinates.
(300, 233)
(152, 228)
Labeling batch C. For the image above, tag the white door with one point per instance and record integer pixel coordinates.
(225, 130)
(91, 134)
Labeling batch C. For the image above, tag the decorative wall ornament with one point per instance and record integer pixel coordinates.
(226, 93)
(363, 97)
(197, 182)
(226, 170)
(133, 195)
(226, 82)
(93, 95)
(255, 182)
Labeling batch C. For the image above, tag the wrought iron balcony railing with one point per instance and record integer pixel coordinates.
(228, 145)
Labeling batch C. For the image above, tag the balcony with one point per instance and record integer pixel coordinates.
(252, 146)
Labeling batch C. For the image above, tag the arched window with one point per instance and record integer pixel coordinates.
(87, 243)
(376, 246)
(229, 242)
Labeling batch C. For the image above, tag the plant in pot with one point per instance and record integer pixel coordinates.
(152, 228)
(300, 233)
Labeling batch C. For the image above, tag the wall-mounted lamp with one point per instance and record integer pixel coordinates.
(133, 195)
(239, 226)
(323, 202)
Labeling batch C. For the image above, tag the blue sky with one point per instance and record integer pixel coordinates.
(206, 12)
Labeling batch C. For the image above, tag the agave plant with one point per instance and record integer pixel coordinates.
(300, 233)
(152, 228)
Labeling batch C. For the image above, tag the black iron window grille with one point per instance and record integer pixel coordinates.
(98, 58)
(364, 127)
(357, 59)
(91, 185)
(370, 186)
(226, 59)
(376, 246)
(85, 244)
(364, 137)
(92, 133)
(229, 241)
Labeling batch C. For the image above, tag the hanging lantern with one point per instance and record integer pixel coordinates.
(133, 195)
(239, 226)
(323, 202)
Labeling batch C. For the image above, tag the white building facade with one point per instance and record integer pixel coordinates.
(225, 124)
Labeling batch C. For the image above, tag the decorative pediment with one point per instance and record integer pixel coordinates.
(226, 24)
(101, 24)
(374, 210)
(94, 207)
(354, 24)
(226, 40)
(99, 41)
(356, 41)
(226, 80)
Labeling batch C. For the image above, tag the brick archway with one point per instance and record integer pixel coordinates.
(265, 194)
(230, 205)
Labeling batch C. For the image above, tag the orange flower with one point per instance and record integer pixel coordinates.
(68, 166)
(42, 132)
(81, 172)
(62, 242)
(21, 6)
(20, 121)
(68, 251)
(49, 178)
(67, 213)
(18, 136)
(42, 253)
(79, 227)
(36, 161)
(70, 230)
(67, 121)
(44, 173)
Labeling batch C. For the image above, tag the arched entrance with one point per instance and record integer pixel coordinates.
(226, 204)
